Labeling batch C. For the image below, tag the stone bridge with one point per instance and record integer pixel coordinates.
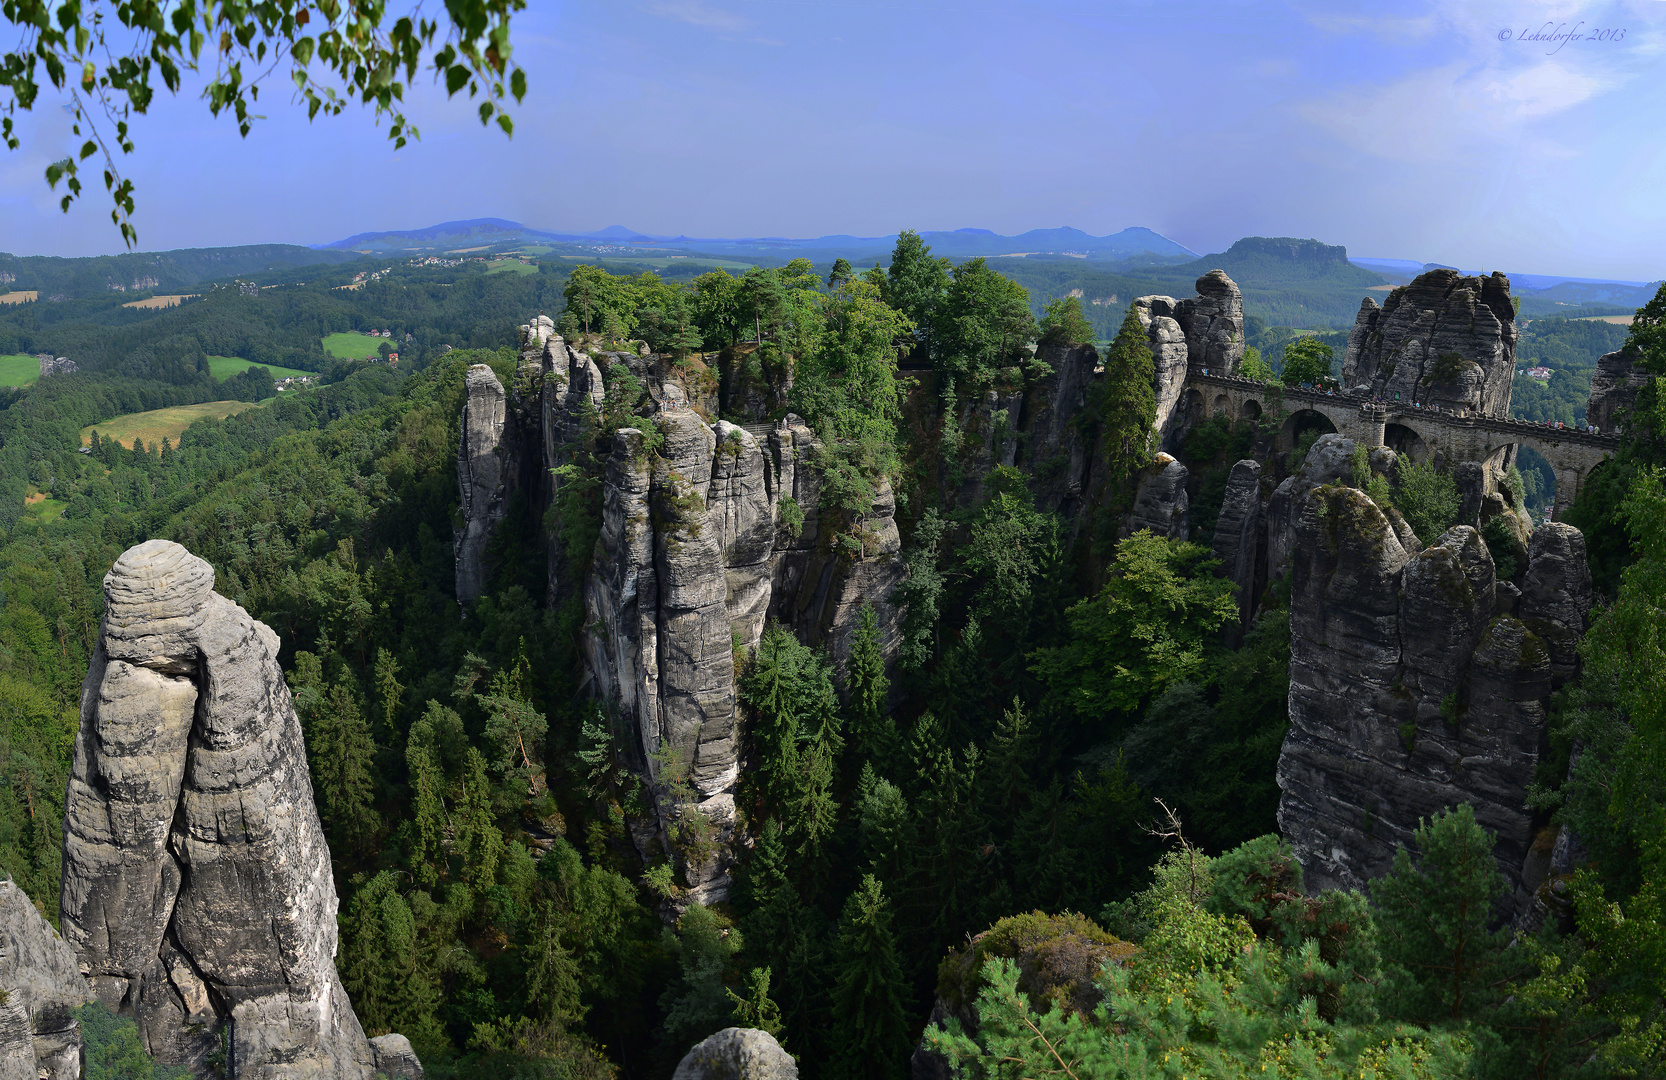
(1422, 433)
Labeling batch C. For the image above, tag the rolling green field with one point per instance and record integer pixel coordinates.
(223, 367)
(510, 266)
(154, 425)
(352, 346)
(18, 370)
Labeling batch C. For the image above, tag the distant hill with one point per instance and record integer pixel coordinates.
(153, 271)
(617, 240)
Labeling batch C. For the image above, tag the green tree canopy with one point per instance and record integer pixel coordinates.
(1062, 323)
(1307, 362)
(109, 61)
(982, 325)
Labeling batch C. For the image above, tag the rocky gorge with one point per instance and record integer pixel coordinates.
(710, 528)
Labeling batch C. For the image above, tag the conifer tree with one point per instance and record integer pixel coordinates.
(478, 837)
(1127, 405)
(342, 757)
(870, 1021)
(388, 691)
(872, 727)
(552, 974)
(1433, 917)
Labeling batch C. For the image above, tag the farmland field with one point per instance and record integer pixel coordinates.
(352, 346)
(155, 302)
(18, 370)
(510, 266)
(153, 425)
(222, 367)
(19, 296)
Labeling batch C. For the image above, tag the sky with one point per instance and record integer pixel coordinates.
(1439, 132)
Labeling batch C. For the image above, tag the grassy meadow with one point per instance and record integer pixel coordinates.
(18, 370)
(352, 346)
(224, 367)
(152, 426)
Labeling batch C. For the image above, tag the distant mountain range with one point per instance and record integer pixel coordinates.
(1134, 244)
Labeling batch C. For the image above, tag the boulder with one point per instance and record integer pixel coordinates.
(41, 986)
(197, 891)
(737, 1054)
(394, 1057)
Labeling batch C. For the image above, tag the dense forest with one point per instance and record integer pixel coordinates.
(1057, 805)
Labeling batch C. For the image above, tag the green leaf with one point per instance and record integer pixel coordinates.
(517, 84)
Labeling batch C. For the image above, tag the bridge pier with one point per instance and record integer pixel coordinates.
(1373, 420)
(1567, 488)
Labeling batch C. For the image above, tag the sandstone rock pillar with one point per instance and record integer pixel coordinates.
(196, 879)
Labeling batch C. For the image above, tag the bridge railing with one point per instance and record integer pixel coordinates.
(1484, 421)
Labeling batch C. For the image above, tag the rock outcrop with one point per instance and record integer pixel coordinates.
(394, 1058)
(40, 987)
(1412, 686)
(1614, 387)
(737, 1054)
(1204, 331)
(1444, 340)
(482, 477)
(1161, 503)
(196, 880)
(1238, 535)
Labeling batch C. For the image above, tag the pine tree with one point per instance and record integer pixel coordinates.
(552, 974)
(342, 758)
(1433, 917)
(388, 691)
(870, 1021)
(1126, 405)
(427, 812)
(874, 730)
(478, 837)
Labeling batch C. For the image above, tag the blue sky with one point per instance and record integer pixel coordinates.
(1404, 130)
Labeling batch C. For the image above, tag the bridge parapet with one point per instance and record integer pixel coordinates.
(1572, 453)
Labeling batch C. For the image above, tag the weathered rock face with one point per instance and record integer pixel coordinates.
(481, 477)
(42, 985)
(737, 1054)
(1214, 323)
(1614, 387)
(1161, 505)
(1238, 534)
(1412, 686)
(695, 554)
(394, 1057)
(1053, 451)
(1169, 357)
(1556, 593)
(196, 880)
(1445, 339)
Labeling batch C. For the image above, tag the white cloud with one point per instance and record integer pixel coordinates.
(1544, 89)
(698, 14)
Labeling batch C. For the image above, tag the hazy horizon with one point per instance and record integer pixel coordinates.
(1403, 132)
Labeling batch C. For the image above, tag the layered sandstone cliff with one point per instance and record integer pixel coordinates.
(1614, 388)
(1444, 340)
(40, 987)
(1414, 686)
(196, 880)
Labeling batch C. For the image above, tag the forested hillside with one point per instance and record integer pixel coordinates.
(1050, 820)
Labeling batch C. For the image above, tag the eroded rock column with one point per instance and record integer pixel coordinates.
(196, 879)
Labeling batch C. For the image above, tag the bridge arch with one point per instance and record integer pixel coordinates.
(1406, 442)
(1222, 406)
(1300, 422)
(1251, 410)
